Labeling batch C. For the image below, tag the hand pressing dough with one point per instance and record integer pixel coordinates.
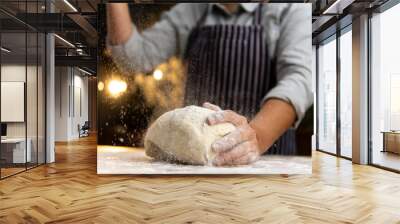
(182, 135)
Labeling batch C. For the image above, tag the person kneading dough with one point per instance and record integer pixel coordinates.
(182, 135)
(252, 59)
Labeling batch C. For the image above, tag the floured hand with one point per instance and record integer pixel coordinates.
(240, 147)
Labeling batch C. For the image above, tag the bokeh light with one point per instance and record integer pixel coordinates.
(158, 74)
(116, 87)
(100, 86)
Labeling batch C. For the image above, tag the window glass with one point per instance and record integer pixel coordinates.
(385, 89)
(346, 94)
(15, 150)
(327, 97)
(22, 88)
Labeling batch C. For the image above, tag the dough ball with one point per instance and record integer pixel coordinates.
(182, 135)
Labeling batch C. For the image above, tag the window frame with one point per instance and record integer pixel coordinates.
(334, 37)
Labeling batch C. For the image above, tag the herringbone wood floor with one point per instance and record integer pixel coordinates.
(70, 191)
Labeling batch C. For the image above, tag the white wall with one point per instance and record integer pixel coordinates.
(16, 73)
(80, 109)
(70, 83)
(62, 81)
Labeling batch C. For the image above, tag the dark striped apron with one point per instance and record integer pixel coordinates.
(228, 65)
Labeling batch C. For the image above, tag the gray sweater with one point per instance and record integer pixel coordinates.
(287, 33)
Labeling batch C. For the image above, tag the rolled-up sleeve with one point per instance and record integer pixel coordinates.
(293, 57)
(145, 50)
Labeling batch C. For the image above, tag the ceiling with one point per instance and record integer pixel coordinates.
(76, 22)
(72, 20)
(330, 15)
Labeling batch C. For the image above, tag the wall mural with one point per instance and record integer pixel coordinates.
(129, 102)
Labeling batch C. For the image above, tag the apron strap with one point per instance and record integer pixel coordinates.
(258, 15)
(203, 17)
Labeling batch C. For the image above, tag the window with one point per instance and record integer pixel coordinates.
(327, 96)
(385, 89)
(346, 93)
(22, 76)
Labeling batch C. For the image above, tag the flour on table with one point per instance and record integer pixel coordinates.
(182, 135)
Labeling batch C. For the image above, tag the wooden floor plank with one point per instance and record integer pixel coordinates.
(70, 191)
